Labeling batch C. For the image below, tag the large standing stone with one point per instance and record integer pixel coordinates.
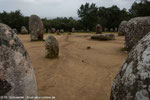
(133, 80)
(24, 30)
(136, 29)
(36, 28)
(16, 72)
(122, 27)
(98, 29)
(52, 47)
(103, 37)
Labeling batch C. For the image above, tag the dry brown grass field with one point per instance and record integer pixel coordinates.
(78, 73)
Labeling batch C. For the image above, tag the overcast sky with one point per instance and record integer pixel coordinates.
(54, 8)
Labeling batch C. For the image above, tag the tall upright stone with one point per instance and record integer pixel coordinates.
(16, 72)
(133, 79)
(136, 29)
(52, 47)
(36, 28)
(122, 27)
(98, 29)
(24, 30)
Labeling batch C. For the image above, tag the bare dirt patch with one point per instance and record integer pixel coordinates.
(79, 73)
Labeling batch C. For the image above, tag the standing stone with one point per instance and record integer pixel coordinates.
(24, 30)
(111, 30)
(133, 80)
(52, 47)
(58, 32)
(36, 28)
(116, 29)
(73, 30)
(136, 29)
(15, 30)
(122, 27)
(16, 72)
(61, 31)
(53, 30)
(98, 29)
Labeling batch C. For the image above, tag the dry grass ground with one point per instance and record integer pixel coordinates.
(79, 73)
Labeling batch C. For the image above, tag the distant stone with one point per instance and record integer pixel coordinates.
(103, 37)
(52, 47)
(122, 27)
(36, 28)
(16, 72)
(58, 32)
(49, 31)
(136, 29)
(116, 29)
(24, 30)
(15, 30)
(61, 31)
(111, 30)
(53, 30)
(98, 29)
(73, 30)
(133, 79)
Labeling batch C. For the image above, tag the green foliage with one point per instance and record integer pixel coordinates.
(14, 19)
(140, 9)
(89, 15)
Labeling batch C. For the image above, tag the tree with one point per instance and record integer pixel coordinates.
(140, 9)
(89, 15)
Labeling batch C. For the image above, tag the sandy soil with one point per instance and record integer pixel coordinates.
(78, 73)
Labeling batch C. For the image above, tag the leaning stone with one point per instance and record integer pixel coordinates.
(122, 27)
(16, 72)
(36, 28)
(136, 29)
(24, 30)
(52, 47)
(98, 29)
(133, 80)
(103, 37)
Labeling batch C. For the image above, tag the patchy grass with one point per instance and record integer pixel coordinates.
(123, 49)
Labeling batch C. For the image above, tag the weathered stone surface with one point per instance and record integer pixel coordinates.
(103, 37)
(36, 28)
(15, 30)
(52, 47)
(136, 29)
(122, 27)
(16, 73)
(24, 30)
(98, 29)
(133, 80)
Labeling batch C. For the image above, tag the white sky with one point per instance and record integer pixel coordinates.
(54, 8)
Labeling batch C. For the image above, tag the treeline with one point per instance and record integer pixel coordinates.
(90, 15)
